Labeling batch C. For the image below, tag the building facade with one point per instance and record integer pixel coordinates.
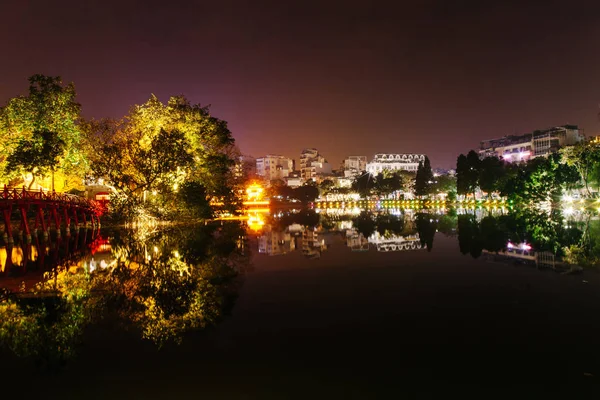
(274, 167)
(312, 164)
(540, 143)
(394, 162)
(354, 165)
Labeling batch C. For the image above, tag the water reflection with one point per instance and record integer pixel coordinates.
(547, 239)
(307, 231)
(159, 284)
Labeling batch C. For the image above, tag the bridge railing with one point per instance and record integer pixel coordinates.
(23, 194)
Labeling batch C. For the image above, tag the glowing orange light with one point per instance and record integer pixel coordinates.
(254, 192)
(255, 222)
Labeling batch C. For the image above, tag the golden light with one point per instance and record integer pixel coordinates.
(255, 222)
(254, 192)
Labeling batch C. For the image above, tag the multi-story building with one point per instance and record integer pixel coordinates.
(394, 162)
(541, 143)
(354, 165)
(550, 140)
(245, 167)
(274, 167)
(312, 164)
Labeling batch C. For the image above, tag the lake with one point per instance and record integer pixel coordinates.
(300, 304)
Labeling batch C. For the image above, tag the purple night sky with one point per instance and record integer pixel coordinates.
(346, 77)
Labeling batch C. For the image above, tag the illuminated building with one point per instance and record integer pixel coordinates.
(245, 167)
(521, 148)
(394, 162)
(274, 167)
(354, 165)
(313, 165)
(294, 181)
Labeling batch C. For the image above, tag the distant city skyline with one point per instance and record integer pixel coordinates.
(348, 78)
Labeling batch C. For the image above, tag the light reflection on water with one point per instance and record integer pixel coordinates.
(160, 285)
(164, 283)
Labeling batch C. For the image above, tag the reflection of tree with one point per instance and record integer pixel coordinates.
(388, 224)
(48, 325)
(166, 285)
(469, 240)
(365, 223)
(169, 291)
(426, 226)
(305, 217)
(165, 297)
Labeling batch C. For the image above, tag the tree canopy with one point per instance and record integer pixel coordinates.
(49, 107)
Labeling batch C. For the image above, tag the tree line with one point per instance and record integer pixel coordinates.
(539, 180)
(163, 160)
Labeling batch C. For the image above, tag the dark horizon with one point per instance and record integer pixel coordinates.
(347, 78)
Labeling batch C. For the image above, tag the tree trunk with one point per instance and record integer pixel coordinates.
(32, 181)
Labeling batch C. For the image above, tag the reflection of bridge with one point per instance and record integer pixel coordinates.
(395, 243)
(22, 265)
(49, 208)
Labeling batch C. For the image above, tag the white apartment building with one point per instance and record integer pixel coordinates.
(274, 167)
(313, 164)
(354, 165)
(522, 148)
(394, 162)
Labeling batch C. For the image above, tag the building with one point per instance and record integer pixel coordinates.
(540, 143)
(294, 181)
(550, 140)
(394, 162)
(273, 167)
(312, 164)
(275, 243)
(245, 167)
(354, 165)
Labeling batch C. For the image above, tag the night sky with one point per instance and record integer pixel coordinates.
(348, 77)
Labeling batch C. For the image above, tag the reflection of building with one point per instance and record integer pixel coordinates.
(356, 241)
(395, 243)
(274, 243)
(274, 167)
(354, 165)
(394, 162)
(312, 245)
(517, 148)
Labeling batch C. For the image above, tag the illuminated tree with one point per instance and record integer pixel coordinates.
(38, 155)
(50, 106)
(158, 147)
(585, 157)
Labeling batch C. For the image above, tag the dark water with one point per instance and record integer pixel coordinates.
(316, 308)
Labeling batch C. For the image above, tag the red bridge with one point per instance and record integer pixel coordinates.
(49, 208)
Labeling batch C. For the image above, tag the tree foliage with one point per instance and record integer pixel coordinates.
(424, 178)
(467, 173)
(38, 156)
(157, 148)
(49, 106)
